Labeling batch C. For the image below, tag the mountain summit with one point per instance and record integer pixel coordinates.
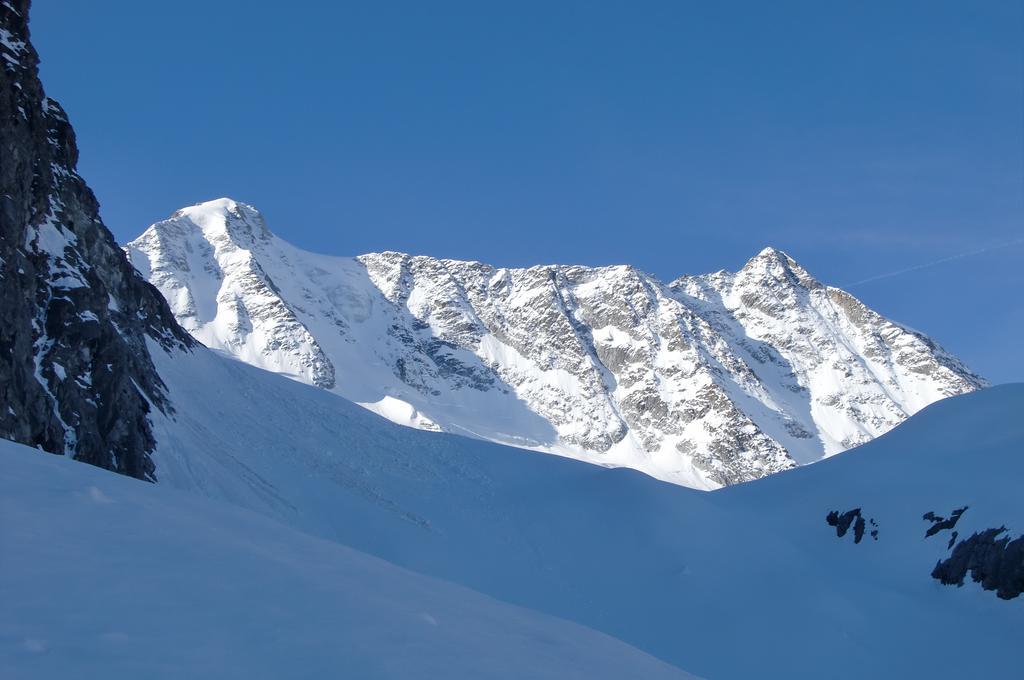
(707, 381)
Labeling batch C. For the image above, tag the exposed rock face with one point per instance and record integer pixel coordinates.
(75, 374)
(992, 559)
(940, 523)
(990, 556)
(843, 521)
(709, 381)
(857, 373)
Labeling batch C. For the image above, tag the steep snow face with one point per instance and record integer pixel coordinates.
(742, 582)
(706, 382)
(210, 274)
(172, 586)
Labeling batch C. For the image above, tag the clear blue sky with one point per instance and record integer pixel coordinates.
(861, 137)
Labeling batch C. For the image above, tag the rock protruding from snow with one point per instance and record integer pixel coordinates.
(856, 373)
(76, 377)
(992, 559)
(709, 381)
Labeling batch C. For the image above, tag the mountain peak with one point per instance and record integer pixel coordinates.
(772, 251)
(241, 222)
(771, 255)
(223, 204)
(774, 264)
(713, 383)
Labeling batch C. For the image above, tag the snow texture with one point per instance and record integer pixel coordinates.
(723, 584)
(108, 577)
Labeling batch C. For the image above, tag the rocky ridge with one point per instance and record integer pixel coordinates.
(76, 377)
(707, 381)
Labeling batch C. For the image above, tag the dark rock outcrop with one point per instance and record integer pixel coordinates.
(843, 521)
(76, 377)
(994, 561)
(940, 523)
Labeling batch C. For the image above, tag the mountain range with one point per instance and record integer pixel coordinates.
(704, 381)
(169, 510)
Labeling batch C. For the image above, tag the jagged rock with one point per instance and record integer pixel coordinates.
(76, 377)
(940, 523)
(842, 522)
(994, 561)
(709, 381)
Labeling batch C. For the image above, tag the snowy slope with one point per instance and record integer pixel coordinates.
(724, 584)
(105, 576)
(708, 381)
(823, 571)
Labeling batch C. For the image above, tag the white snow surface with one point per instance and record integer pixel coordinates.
(107, 577)
(724, 584)
(708, 381)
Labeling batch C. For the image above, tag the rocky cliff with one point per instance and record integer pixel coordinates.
(76, 376)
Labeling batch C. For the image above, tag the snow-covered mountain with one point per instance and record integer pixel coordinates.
(839, 570)
(706, 381)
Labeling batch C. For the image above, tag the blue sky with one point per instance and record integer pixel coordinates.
(681, 137)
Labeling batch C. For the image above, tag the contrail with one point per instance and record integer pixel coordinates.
(943, 260)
